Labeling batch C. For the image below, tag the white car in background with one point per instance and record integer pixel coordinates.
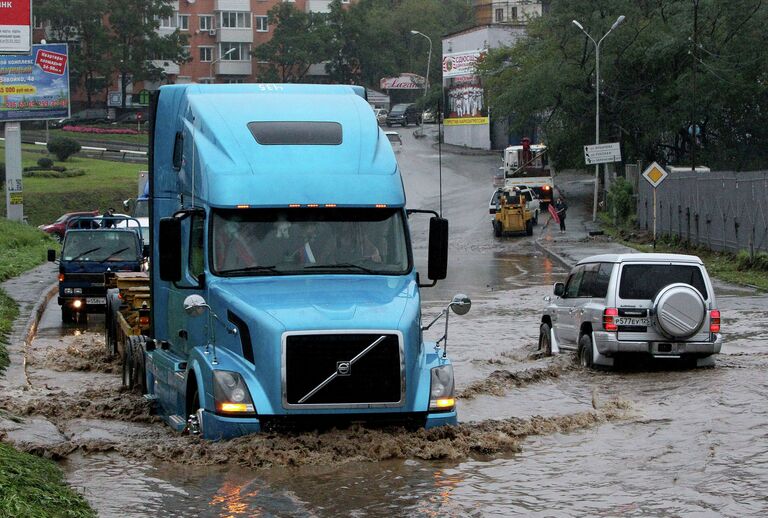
(381, 115)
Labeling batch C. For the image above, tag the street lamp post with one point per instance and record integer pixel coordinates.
(618, 22)
(227, 53)
(426, 78)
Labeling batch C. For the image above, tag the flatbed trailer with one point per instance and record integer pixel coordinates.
(127, 322)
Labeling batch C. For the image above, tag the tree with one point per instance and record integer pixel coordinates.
(647, 70)
(79, 24)
(299, 40)
(136, 41)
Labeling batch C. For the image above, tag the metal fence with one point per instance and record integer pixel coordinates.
(719, 210)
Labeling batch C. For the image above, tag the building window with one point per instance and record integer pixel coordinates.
(514, 13)
(38, 23)
(183, 22)
(261, 24)
(186, 52)
(242, 52)
(499, 15)
(206, 22)
(236, 20)
(167, 22)
(206, 54)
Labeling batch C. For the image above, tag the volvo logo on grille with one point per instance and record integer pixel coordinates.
(343, 368)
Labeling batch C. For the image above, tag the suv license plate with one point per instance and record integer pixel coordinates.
(631, 321)
(96, 300)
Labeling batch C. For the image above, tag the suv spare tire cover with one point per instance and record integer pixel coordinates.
(680, 310)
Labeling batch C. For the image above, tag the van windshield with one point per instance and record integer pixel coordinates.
(100, 246)
(644, 281)
(309, 241)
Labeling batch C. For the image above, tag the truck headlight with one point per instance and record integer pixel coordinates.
(77, 291)
(67, 291)
(230, 393)
(441, 389)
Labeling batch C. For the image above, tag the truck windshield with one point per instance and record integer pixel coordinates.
(309, 241)
(100, 246)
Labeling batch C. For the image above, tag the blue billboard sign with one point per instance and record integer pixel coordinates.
(35, 86)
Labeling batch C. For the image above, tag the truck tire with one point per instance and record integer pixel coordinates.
(679, 310)
(127, 366)
(529, 227)
(66, 315)
(536, 218)
(545, 339)
(139, 371)
(585, 351)
(497, 229)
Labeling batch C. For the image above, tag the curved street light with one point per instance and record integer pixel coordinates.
(426, 78)
(227, 53)
(618, 22)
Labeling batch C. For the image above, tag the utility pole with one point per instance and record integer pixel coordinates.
(695, 57)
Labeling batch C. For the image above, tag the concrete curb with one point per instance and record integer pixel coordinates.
(553, 255)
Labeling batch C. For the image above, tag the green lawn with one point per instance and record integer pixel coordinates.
(105, 184)
(29, 486)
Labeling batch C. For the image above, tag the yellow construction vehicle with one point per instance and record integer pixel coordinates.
(511, 214)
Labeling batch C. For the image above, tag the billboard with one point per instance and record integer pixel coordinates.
(35, 86)
(461, 63)
(15, 26)
(406, 81)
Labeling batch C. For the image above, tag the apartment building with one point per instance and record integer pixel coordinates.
(222, 34)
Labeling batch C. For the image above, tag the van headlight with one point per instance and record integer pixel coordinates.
(441, 389)
(230, 393)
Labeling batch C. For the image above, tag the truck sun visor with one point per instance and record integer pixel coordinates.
(296, 133)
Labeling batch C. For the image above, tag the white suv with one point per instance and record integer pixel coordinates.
(659, 305)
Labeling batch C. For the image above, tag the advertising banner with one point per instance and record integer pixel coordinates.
(35, 86)
(465, 99)
(461, 63)
(15, 26)
(405, 81)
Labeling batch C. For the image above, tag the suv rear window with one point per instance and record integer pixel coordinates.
(643, 281)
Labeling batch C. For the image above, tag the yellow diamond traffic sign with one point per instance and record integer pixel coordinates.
(655, 174)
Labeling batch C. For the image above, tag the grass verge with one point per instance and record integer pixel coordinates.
(722, 265)
(34, 487)
(29, 486)
(105, 184)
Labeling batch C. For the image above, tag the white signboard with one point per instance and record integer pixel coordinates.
(655, 174)
(461, 63)
(15, 26)
(602, 153)
(405, 81)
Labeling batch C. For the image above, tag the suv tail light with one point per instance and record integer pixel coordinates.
(714, 321)
(609, 322)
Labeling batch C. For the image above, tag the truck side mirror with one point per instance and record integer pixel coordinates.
(51, 255)
(169, 247)
(559, 289)
(437, 266)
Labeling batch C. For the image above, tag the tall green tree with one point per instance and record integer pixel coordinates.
(299, 40)
(79, 24)
(661, 95)
(136, 42)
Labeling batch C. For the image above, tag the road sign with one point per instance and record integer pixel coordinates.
(16, 26)
(655, 174)
(602, 153)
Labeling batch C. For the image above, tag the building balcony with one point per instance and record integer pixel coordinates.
(169, 67)
(232, 5)
(228, 35)
(232, 68)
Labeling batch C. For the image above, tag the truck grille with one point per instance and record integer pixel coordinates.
(93, 278)
(374, 378)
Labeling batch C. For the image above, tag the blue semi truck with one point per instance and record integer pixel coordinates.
(282, 280)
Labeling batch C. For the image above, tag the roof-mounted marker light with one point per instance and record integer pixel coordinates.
(242, 206)
(381, 205)
(294, 205)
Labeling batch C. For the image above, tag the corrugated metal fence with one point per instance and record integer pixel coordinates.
(720, 210)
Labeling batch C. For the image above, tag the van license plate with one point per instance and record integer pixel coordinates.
(632, 321)
(96, 300)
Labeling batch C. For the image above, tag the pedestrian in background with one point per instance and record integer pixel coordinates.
(561, 207)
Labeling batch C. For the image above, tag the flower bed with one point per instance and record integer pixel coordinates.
(100, 131)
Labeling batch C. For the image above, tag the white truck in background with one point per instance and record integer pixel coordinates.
(528, 165)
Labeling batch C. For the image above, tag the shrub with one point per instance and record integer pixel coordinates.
(100, 131)
(620, 200)
(53, 173)
(63, 147)
(45, 162)
(757, 262)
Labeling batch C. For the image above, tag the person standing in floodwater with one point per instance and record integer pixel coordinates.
(561, 207)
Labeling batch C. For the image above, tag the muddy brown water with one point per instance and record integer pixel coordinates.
(538, 436)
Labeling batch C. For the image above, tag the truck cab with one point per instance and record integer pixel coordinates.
(283, 281)
(86, 254)
(527, 164)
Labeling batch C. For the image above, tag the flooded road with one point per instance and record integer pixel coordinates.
(537, 437)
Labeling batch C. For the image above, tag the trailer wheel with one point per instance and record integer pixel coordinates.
(127, 367)
(139, 372)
